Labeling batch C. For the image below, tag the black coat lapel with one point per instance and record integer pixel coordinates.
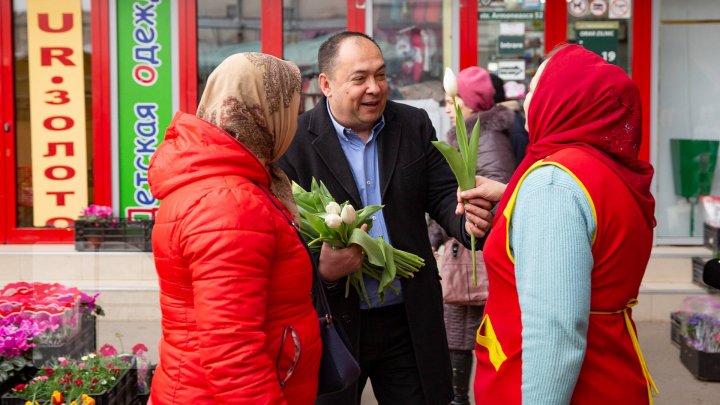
(327, 146)
(388, 149)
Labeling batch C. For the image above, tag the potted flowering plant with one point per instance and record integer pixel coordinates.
(96, 213)
(700, 336)
(97, 229)
(94, 379)
(61, 318)
(16, 335)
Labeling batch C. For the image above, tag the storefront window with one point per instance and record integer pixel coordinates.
(602, 28)
(64, 124)
(306, 25)
(410, 34)
(688, 118)
(225, 27)
(511, 41)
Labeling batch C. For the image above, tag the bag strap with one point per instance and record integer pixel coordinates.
(318, 289)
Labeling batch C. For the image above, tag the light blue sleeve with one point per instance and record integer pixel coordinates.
(551, 238)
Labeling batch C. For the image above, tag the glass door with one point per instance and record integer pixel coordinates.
(47, 118)
(511, 41)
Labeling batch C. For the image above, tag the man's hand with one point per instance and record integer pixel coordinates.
(476, 203)
(338, 263)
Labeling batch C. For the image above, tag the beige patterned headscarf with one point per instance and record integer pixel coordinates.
(255, 98)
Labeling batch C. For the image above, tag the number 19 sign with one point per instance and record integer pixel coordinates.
(600, 37)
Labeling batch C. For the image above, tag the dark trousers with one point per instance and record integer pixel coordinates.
(387, 358)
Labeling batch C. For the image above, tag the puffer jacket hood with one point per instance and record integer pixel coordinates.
(194, 149)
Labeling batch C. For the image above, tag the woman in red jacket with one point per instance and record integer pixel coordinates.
(238, 324)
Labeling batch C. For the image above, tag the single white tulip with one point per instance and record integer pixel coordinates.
(333, 220)
(332, 208)
(348, 214)
(450, 83)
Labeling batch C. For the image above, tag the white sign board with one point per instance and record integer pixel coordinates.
(578, 8)
(598, 8)
(621, 9)
(511, 69)
(512, 28)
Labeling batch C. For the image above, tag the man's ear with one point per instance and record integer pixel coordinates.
(324, 82)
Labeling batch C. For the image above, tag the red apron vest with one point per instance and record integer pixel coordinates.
(613, 370)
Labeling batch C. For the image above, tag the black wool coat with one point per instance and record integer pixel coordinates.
(414, 179)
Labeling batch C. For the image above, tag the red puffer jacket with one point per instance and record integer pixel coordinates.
(235, 279)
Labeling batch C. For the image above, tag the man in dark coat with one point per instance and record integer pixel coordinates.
(368, 150)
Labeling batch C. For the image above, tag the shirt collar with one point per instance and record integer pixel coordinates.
(343, 132)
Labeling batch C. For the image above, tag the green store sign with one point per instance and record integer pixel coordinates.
(600, 37)
(144, 98)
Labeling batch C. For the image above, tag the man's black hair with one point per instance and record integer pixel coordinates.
(329, 49)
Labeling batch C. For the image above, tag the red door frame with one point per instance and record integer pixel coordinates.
(356, 15)
(187, 55)
(100, 72)
(6, 116)
(641, 66)
(556, 33)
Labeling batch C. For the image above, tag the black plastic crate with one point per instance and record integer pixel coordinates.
(115, 235)
(698, 263)
(676, 319)
(711, 237)
(124, 392)
(82, 343)
(702, 365)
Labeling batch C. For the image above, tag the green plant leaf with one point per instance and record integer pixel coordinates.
(373, 252)
(471, 161)
(455, 161)
(461, 132)
(388, 274)
(364, 213)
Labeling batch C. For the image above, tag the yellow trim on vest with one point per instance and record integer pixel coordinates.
(507, 212)
(652, 388)
(490, 341)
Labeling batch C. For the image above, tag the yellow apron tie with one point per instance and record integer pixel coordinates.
(487, 338)
(652, 388)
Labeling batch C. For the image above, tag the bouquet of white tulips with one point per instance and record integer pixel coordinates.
(324, 220)
(462, 163)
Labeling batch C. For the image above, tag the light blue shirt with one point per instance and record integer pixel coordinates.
(363, 160)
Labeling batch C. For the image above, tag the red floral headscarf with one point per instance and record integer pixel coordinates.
(580, 101)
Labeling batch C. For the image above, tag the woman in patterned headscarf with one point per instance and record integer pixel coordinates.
(235, 279)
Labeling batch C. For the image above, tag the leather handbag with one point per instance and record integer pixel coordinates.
(456, 276)
(338, 367)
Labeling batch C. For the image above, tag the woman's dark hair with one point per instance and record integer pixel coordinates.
(497, 83)
(329, 49)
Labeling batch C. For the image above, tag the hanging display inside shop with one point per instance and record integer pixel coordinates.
(57, 111)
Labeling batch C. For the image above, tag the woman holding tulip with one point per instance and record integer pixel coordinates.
(569, 245)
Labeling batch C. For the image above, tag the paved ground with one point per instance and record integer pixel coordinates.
(677, 385)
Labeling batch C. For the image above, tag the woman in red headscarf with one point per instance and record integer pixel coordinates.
(569, 246)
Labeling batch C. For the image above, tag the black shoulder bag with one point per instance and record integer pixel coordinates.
(338, 367)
